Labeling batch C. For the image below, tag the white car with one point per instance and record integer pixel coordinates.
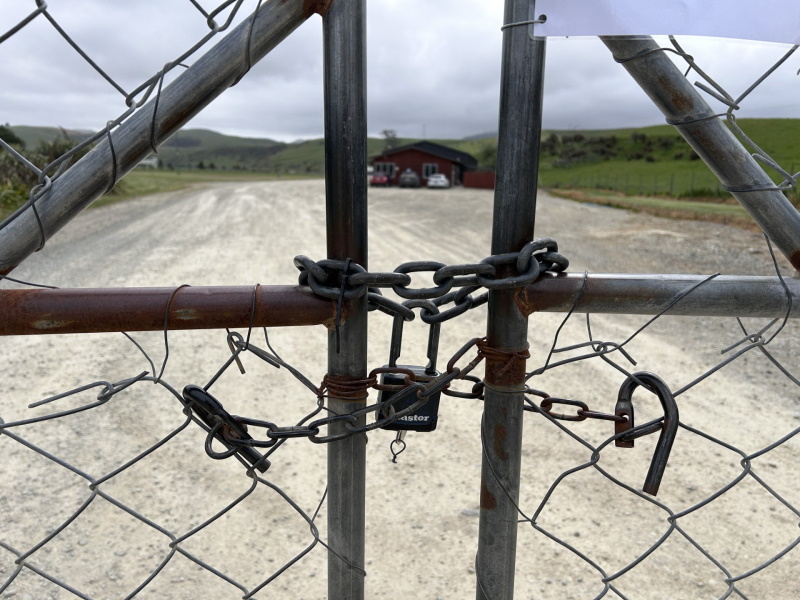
(438, 180)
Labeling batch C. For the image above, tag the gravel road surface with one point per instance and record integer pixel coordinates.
(422, 512)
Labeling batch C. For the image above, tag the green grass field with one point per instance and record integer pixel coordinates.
(654, 160)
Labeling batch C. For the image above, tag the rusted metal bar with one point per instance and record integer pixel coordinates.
(152, 125)
(344, 43)
(684, 107)
(721, 296)
(27, 312)
(507, 331)
(94, 310)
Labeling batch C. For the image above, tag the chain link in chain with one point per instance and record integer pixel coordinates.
(222, 425)
(325, 278)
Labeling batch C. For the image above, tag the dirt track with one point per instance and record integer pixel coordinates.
(421, 512)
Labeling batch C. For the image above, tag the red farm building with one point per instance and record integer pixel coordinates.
(424, 158)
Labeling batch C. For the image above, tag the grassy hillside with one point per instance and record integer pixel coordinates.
(190, 148)
(32, 136)
(652, 160)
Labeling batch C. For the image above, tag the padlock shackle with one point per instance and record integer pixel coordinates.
(397, 339)
(669, 428)
(433, 348)
(395, 347)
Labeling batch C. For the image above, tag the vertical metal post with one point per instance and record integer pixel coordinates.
(513, 221)
(344, 29)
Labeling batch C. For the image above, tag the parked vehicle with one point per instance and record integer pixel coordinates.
(408, 178)
(379, 178)
(438, 180)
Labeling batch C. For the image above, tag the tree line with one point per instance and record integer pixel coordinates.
(18, 179)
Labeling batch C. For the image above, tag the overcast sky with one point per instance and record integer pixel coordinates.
(433, 70)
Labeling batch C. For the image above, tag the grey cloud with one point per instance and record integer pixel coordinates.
(431, 64)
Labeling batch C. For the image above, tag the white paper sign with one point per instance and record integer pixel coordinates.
(766, 20)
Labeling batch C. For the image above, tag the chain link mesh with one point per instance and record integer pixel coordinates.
(586, 499)
(716, 537)
(719, 93)
(216, 20)
(585, 523)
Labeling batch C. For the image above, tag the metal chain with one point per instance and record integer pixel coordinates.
(333, 279)
(232, 431)
(583, 412)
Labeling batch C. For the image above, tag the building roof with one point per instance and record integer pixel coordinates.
(435, 149)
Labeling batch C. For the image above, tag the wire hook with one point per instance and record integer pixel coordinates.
(669, 427)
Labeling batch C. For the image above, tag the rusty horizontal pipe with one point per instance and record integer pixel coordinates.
(721, 296)
(93, 310)
(87, 310)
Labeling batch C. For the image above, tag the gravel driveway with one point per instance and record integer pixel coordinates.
(421, 511)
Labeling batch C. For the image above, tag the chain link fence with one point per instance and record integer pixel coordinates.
(111, 487)
(143, 507)
(716, 531)
(46, 167)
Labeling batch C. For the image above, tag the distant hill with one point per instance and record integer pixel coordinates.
(33, 135)
(186, 149)
(190, 148)
(592, 150)
(480, 136)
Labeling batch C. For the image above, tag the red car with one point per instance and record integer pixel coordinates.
(379, 178)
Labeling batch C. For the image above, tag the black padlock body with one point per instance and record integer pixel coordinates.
(423, 419)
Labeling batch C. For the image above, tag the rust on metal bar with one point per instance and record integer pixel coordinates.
(488, 501)
(87, 310)
(320, 7)
(505, 369)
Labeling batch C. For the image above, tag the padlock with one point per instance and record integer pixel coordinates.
(426, 416)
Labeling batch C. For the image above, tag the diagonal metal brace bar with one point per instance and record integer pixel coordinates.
(151, 125)
(693, 118)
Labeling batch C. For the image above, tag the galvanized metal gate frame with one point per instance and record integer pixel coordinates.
(344, 25)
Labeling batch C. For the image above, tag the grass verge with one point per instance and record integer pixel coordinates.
(696, 210)
(142, 182)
